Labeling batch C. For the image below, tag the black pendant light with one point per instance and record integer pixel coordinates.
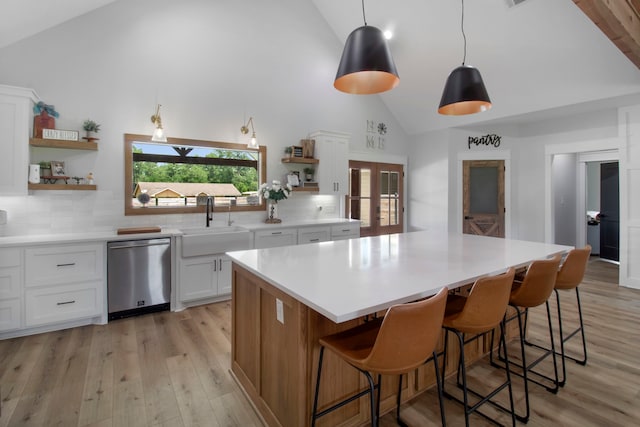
(464, 93)
(366, 66)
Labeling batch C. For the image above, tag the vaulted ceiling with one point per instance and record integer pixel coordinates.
(537, 57)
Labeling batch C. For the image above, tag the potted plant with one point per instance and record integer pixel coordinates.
(92, 128)
(288, 150)
(45, 169)
(308, 173)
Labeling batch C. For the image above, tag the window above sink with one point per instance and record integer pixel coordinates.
(176, 176)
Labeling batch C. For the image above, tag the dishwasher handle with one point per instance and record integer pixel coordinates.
(138, 243)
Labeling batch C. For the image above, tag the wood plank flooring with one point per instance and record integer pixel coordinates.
(172, 369)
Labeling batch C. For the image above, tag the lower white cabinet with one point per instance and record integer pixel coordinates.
(204, 277)
(10, 289)
(275, 238)
(313, 235)
(10, 314)
(63, 303)
(345, 231)
(63, 282)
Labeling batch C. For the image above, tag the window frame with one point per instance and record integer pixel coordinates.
(129, 209)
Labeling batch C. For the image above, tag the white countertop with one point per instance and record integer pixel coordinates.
(347, 279)
(22, 239)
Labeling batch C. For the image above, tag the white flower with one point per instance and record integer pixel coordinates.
(266, 194)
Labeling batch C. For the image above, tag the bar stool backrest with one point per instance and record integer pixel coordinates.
(538, 283)
(486, 304)
(408, 335)
(572, 270)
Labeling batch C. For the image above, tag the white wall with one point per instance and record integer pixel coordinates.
(526, 144)
(593, 186)
(428, 184)
(211, 64)
(563, 175)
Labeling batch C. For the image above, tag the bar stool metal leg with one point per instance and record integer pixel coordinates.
(461, 380)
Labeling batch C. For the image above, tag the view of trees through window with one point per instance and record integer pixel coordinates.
(177, 175)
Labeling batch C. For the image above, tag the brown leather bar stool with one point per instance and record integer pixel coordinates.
(477, 314)
(569, 277)
(533, 291)
(404, 339)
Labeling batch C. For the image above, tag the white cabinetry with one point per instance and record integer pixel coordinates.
(313, 235)
(10, 289)
(15, 113)
(345, 231)
(332, 149)
(63, 283)
(204, 277)
(275, 238)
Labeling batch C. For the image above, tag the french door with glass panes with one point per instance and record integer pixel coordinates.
(376, 197)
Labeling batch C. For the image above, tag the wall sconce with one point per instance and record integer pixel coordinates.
(158, 133)
(253, 143)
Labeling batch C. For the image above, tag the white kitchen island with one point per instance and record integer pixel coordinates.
(285, 298)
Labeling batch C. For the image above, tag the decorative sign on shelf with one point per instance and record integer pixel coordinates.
(375, 137)
(66, 135)
(489, 139)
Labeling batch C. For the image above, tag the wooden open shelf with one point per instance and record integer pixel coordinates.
(89, 187)
(300, 160)
(60, 143)
(306, 189)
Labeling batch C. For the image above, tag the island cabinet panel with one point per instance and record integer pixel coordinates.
(276, 362)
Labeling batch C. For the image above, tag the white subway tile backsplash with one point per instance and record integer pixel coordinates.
(50, 212)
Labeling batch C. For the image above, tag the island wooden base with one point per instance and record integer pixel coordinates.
(275, 362)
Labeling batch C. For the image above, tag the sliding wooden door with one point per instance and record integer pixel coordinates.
(376, 197)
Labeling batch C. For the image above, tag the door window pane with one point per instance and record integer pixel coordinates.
(483, 190)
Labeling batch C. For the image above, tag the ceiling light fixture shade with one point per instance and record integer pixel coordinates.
(158, 133)
(464, 93)
(253, 142)
(366, 66)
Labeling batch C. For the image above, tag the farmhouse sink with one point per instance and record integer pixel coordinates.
(214, 240)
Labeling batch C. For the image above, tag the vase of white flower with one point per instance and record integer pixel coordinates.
(272, 194)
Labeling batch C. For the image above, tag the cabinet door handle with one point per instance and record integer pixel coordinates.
(69, 264)
(337, 186)
(66, 302)
(215, 265)
(220, 260)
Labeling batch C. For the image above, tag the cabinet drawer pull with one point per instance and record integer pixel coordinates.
(276, 232)
(346, 231)
(314, 240)
(66, 302)
(69, 264)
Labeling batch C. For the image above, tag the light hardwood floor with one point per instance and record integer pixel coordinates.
(172, 369)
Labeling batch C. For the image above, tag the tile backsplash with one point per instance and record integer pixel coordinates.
(52, 212)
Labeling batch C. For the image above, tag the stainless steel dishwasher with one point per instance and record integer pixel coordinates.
(138, 276)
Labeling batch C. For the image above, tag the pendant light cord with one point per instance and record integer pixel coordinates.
(363, 15)
(464, 36)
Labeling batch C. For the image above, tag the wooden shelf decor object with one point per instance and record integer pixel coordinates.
(59, 143)
(306, 189)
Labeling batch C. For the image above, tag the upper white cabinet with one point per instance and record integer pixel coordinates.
(332, 148)
(16, 105)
